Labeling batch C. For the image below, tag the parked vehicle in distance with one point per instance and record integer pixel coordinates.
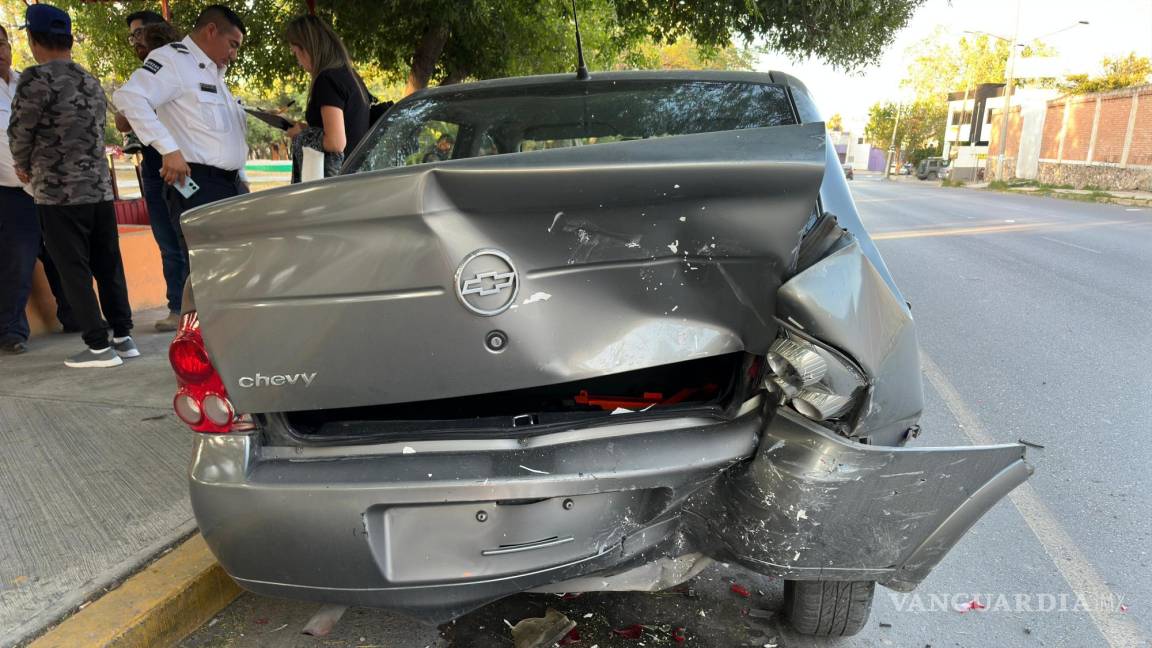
(848, 173)
(630, 326)
(932, 168)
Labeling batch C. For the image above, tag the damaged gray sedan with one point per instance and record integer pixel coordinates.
(622, 327)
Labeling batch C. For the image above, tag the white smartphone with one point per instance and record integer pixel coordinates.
(188, 188)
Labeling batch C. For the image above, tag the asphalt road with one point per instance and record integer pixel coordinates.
(1034, 316)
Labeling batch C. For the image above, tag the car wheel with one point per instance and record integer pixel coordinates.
(828, 608)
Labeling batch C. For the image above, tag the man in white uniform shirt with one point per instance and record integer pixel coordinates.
(177, 103)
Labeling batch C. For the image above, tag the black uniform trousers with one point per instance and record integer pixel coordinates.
(215, 184)
(85, 245)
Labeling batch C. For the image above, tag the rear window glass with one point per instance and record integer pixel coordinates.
(496, 121)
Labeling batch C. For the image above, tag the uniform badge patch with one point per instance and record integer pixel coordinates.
(152, 65)
(206, 87)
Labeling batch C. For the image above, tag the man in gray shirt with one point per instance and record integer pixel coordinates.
(57, 141)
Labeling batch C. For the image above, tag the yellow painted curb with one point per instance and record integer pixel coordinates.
(157, 607)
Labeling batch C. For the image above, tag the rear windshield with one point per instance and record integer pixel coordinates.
(494, 121)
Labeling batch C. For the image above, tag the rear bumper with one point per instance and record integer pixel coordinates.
(436, 531)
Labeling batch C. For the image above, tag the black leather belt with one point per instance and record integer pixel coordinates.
(213, 171)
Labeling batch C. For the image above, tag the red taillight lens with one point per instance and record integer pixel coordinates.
(202, 401)
(188, 358)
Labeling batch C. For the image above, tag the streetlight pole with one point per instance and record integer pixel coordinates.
(1008, 96)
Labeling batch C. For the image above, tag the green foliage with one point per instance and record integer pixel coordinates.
(845, 33)
(835, 123)
(1132, 70)
(919, 130)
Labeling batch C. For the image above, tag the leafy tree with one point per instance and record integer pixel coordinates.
(846, 33)
(939, 65)
(835, 123)
(422, 41)
(920, 125)
(1132, 70)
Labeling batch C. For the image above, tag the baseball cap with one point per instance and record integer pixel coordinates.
(47, 19)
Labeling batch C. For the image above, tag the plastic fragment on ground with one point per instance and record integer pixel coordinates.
(971, 605)
(635, 631)
(542, 632)
(324, 620)
(741, 590)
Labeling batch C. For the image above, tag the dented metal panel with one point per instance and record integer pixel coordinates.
(843, 301)
(627, 255)
(814, 505)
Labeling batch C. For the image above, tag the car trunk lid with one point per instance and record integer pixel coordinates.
(595, 260)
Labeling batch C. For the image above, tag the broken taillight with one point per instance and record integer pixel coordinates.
(201, 401)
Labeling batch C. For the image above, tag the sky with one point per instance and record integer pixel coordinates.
(1116, 27)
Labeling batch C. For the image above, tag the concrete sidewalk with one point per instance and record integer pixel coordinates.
(92, 475)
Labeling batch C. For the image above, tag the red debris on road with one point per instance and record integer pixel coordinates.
(741, 590)
(631, 632)
(971, 605)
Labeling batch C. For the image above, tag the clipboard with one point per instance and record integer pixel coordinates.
(272, 119)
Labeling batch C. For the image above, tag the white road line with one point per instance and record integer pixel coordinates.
(1119, 630)
(1073, 245)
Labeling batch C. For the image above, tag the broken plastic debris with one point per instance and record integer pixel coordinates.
(678, 635)
(635, 631)
(971, 605)
(262, 621)
(741, 590)
(674, 246)
(623, 410)
(324, 620)
(572, 637)
(541, 632)
(589, 615)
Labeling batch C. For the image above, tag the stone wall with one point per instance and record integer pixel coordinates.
(1096, 175)
(1101, 140)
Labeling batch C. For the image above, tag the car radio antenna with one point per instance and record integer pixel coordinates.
(581, 69)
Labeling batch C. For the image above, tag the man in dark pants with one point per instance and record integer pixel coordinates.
(57, 140)
(173, 260)
(20, 242)
(178, 103)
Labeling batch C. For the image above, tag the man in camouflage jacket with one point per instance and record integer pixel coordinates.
(57, 139)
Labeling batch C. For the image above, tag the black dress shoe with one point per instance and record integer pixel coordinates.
(14, 348)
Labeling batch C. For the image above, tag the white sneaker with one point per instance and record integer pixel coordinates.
(126, 348)
(91, 358)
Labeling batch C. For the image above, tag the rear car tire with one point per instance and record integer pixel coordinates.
(828, 608)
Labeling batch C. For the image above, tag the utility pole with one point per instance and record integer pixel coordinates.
(892, 145)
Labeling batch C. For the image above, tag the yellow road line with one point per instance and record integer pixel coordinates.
(990, 229)
(1119, 630)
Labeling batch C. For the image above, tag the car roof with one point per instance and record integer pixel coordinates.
(599, 77)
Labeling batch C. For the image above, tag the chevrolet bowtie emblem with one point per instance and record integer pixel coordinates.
(487, 283)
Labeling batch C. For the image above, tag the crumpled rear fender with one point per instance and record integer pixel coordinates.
(813, 505)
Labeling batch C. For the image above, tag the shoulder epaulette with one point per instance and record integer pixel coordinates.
(179, 47)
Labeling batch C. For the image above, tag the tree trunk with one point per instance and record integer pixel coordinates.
(424, 59)
(455, 75)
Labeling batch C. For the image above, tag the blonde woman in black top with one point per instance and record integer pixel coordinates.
(337, 112)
